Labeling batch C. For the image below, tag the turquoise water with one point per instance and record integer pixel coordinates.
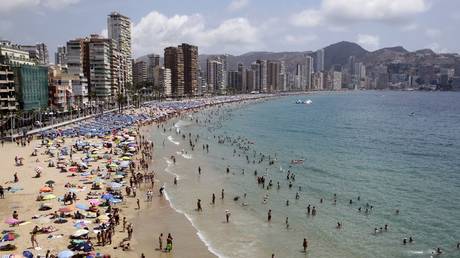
(396, 150)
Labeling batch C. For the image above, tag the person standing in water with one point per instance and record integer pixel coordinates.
(198, 205)
(222, 194)
(213, 200)
(227, 215)
(305, 245)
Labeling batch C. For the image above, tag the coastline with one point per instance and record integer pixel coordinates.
(160, 209)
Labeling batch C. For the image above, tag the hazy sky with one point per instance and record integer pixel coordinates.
(238, 26)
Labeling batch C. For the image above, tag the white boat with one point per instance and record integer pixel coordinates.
(307, 102)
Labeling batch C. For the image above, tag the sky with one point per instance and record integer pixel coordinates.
(240, 26)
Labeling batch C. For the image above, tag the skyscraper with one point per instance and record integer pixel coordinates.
(60, 55)
(190, 57)
(320, 60)
(273, 76)
(174, 60)
(119, 30)
(215, 76)
(262, 75)
(309, 71)
(99, 68)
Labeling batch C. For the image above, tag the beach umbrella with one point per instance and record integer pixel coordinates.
(115, 185)
(38, 169)
(80, 224)
(49, 197)
(65, 254)
(82, 206)
(94, 202)
(45, 189)
(107, 196)
(11, 221)
(114, 201)
(50, 182)
(125, 158)
(67, 209)
(73, 169)
(27, 254)
(103, 218)
(80, 232)
(9, 236)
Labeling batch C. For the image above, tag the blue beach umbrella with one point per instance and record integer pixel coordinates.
(107, 196)
(82, 206)
(65, 254)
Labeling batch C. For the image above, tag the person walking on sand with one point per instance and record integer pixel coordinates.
(227, 215)
(160, 241)
(269, 215)
(138, 204)
(222, 194)
(169, 243)
(213, 200)
(33, 238)
(305, 245)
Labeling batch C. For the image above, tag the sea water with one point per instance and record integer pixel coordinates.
(395, 150)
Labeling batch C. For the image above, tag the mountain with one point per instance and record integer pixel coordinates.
(339, 53)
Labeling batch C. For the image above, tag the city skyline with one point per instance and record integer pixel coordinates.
(240, 26)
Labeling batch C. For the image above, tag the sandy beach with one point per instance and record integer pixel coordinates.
(75, 226)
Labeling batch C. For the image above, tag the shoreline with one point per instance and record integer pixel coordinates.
(56, 242)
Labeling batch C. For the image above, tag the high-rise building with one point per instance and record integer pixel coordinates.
(153, 61)
(12, 55)
(273, 76)
(60, 55)
(119, 30)
(320, 60)
(250, 81)
(242, 80)
(317, 81)
(100, 68)
(215, 76)
(174, 60)
(333, 80)
(60, 88)
(309, 71)
(262, 75)
(8, 101)
(163, 80)
(256, 68)
(76, 60)
(183, 62)
(30, 81)
(190, 57)
(233, 78)
(38, 53)
(31, 86)
(140, 73)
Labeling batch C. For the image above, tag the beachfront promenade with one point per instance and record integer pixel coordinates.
(56, 125)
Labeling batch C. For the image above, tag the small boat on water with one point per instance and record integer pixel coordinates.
(308, 101)
(297, 161)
